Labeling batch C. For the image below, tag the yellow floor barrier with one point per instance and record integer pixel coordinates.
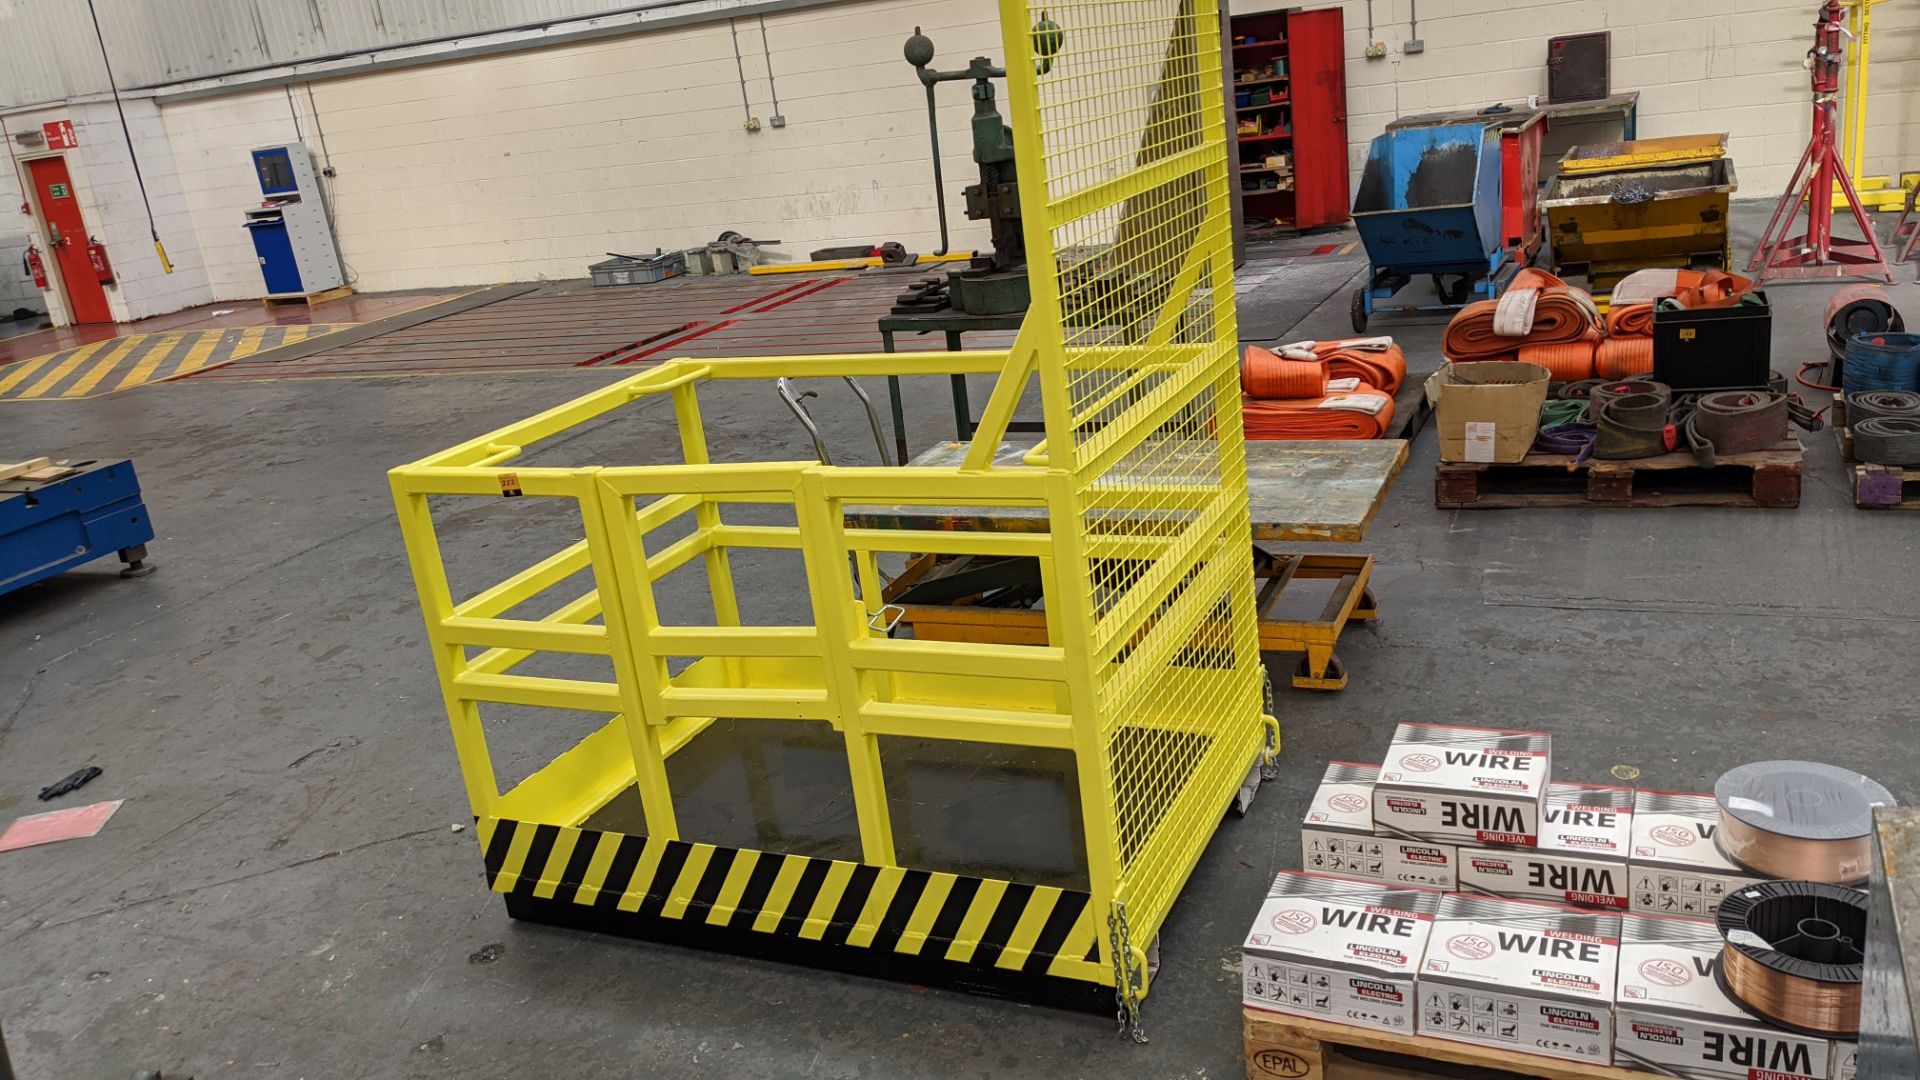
(815, 792)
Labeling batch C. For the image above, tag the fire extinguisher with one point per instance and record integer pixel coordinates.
(31, 263)
(102, 266)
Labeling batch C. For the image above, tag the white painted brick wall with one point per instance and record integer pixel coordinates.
(533, 164)
(211, 140)
(1700, 66)
(16, 288)
(110, 199)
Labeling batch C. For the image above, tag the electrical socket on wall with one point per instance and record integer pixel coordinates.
(1377, 50)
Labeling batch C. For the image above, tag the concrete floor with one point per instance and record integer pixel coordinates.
(281, 895)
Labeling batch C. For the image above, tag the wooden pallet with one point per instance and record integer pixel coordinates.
(1295, 1048)
(1762, 478)
(1877, 487)
(40, 470)
(311, 299)
(1885, 487)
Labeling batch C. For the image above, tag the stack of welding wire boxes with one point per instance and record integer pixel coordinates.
(1457, 891)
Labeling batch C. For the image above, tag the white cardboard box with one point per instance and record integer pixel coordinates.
(1337, 836)
(1333, 949)
(1675, 867)
(1585, 830)
(1462, 785)
(1672, 1018)
(1521, 976)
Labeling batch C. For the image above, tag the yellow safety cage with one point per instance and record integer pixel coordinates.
(1150, 685)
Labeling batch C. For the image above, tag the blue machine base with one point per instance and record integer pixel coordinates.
(47, 528)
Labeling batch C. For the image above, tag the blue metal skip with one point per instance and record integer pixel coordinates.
(1429, 199)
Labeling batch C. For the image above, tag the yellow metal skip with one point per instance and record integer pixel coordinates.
(1643, 154)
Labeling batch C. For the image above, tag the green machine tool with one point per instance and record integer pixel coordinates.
(993, 282)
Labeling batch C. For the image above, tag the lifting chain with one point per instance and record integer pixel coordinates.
(1126, 976)
(1270, 758)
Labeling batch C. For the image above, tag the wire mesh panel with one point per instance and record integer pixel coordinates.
(1133, 319)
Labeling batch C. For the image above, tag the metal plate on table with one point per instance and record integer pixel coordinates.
(1320, 490)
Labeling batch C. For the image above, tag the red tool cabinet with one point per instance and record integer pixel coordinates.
(1287, 71)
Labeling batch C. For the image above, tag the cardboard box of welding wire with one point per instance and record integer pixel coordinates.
(1487, 411)
(1463, 785)
(1521, 976)
(1672, 1018)
(1338, 950)
(1337, 836)
(1581, 859)
(1675, 867)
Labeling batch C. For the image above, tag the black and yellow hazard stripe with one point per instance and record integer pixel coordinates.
(1034, 942)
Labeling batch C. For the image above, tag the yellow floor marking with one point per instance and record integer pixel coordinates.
(105, 367)
(198, 354)
(249, 342)
(64, 368)
(296, 333)
(19, 372)
(151, 351)
(157, 351)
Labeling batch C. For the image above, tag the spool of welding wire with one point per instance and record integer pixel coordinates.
(1791, 954)
(1799, 820)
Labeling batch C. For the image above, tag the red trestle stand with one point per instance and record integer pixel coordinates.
(1817, 253)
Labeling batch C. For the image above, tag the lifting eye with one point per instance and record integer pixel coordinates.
(1047, 40)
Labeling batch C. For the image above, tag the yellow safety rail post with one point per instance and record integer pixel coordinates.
(1875, 192)
(1150, 679)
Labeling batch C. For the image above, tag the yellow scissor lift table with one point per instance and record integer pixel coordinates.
(1317, 491)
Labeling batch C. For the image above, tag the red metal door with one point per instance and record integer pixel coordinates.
(1316, 56)
(67, 236)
